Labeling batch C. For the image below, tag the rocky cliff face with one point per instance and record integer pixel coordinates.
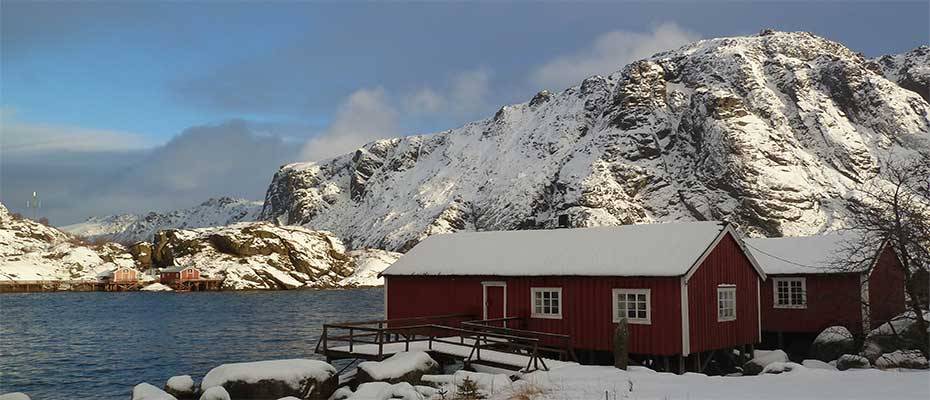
(773, 132)
(263, 256)
(32, 251)
(910, 70)
(134, 228)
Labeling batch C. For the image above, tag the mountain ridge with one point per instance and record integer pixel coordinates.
(775, 132)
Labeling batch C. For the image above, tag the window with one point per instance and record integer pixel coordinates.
(726, 303)
(632, 304)
(790, 292)
(547, 303)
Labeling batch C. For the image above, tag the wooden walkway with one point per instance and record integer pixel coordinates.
(475, 342)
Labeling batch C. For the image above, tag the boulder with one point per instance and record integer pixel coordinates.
(145, 391)
(832, 343)
(910, 359)
(215, 393)
(301, 378)
(761, 359)
(401, 367)
(848, 361)
(385, 391)
(181, 386)
(14, 396)
(817, 364)
(901, 333)
(780, 367)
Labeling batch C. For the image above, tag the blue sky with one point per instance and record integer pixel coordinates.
(94, 94)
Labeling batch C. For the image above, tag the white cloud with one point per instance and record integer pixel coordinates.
(465, 94)
(365, 116)
(610, 52)
(21, 138)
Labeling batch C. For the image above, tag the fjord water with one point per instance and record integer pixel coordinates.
(99, 345)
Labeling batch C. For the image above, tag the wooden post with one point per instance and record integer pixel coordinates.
(665, 361)
(621, 348)
(781, 341)
(681, 364)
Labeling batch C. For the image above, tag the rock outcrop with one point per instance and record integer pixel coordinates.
(260, 255)
(911, 70)
(773, 132)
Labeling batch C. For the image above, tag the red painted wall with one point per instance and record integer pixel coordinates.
(726, 264)
(587, 306)
(886, 288)
(832, 299)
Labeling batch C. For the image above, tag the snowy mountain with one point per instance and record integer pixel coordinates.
(910, 70)
(32, 251)
(773, 132)
(134, 228)
(259, 255)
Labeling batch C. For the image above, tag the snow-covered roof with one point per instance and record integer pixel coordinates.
(668, 249)
(800, 255)
(176, 268)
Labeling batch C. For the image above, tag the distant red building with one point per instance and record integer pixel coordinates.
(126, 275)
(178, 274)
(685, 288)
(806, 292)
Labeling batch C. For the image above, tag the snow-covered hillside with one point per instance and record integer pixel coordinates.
(32, 251)
(134, 228)
(259, 255)
(773, 132)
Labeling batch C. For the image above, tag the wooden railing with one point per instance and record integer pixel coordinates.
(379, 333)
(554, 343)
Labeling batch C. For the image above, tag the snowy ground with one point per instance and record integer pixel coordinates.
(588, 382)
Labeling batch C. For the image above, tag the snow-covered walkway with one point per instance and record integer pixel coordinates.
(456, 350)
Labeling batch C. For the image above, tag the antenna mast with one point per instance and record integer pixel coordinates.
(34, 203)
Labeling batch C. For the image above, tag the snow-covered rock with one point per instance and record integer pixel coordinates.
(847, 361)
(911, 70)
(156, 287)
(911, 359)
(385, 391)
(831, 343)
(900, 333)
(14, 396)
(181, 386)
(761, 359)
(260, 255)
(774, 132)
(30, 251)
(146, 391)
(274, 379)
(781, 367)
(817, 364)
(401, 367)
(215, 393)
(130, 228)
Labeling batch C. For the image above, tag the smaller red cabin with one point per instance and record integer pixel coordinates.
(179, 274)
(809, 290)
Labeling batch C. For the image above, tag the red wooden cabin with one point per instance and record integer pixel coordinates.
(126, 275)
(685, 288)
(808, 292)
(178, 274)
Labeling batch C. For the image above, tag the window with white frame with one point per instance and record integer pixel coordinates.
(790, 292)
(726, 302)
(632, 304)
(547, 302)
